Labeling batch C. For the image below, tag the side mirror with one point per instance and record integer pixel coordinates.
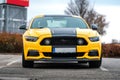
(94, 27)
(23, 27)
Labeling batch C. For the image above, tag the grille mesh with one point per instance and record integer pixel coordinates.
(80, 54)
(64, 41)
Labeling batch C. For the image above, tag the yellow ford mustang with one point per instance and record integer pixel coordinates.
(61, 38)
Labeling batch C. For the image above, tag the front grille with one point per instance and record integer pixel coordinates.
(59, 55)
(63, 41)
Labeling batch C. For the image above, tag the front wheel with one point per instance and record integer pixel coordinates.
(95, 64)
(26, 64)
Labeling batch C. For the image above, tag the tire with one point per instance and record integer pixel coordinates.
(95, 64)
(26, 64)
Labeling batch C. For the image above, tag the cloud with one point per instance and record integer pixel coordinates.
(113, 17)
(46, 7)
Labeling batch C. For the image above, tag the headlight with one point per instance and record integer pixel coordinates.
(94, 39)
(31, 38)
(80, 41)
(47, 41)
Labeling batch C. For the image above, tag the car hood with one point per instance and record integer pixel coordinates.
(37, 32)
(87, 32)
(61, 32)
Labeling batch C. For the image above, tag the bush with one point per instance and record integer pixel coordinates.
(10, 43)
(111, 50)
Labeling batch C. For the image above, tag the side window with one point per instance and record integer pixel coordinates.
(34, 24)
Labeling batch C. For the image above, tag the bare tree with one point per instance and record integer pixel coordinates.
(82, 8)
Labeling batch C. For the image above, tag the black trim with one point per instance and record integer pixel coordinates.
(64, 59)
(64, 55)
(57, 16)
(63, 41)
(33, 53)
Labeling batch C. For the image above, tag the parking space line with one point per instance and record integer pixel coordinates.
(9, 62)
(2, 67)
(12, 62)
(103, 69)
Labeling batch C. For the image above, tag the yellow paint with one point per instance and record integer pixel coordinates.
(46, 33)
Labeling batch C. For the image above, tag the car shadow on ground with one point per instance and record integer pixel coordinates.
(61, 66)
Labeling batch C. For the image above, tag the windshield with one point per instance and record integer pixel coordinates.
(59, 22)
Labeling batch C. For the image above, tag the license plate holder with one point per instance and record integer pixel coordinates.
(64, 50)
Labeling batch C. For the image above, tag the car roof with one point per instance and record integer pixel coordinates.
(56, 16)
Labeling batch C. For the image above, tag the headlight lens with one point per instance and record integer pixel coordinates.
(94, 39)
(80, 41)
(31, 38)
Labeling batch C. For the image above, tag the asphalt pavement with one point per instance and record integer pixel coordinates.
(11, 69)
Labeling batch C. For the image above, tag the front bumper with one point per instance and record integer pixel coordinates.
(83, 53)
(41, 49)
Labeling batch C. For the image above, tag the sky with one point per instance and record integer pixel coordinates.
(109, 8)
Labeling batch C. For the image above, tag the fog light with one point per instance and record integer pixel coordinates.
(47, 42)
(80, 41)
(93, 53)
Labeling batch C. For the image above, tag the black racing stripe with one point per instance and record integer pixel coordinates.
(63, 32)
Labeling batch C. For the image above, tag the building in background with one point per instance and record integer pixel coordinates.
(13, 13)
(115, 41)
